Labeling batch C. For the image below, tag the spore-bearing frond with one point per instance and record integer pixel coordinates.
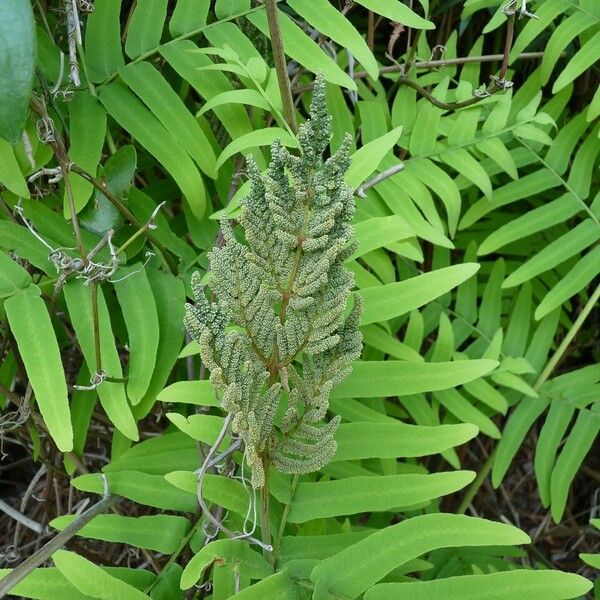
(283, 286)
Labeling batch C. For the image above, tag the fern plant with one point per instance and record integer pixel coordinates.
(285, 289)
(460, 211)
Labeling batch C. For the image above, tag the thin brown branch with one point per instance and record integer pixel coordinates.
(280, 64)
(101, 187)
(433, 64)
(56, 543)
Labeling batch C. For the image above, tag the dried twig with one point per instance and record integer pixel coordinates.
(56, 543)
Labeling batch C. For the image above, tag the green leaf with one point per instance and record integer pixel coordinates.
(259, 137)
(585, 58)
(131, 114)
(158, 455)
(30, 324)
(161, 533)
(275, 587)
(189, 15)
(515, 430)
(378, 232)
(101, 215)
(184, 57)
(364, 439)
(373, 379)
(87, 128)
(366, 494)
(377, 337)
(331, 23)
(141, 320)
(575, 280)
(367, 158)
(18, 51)
(199, 392)
(521, 583)
(152, 88)
(103, 54)
(394, 10)
(112, 395)
(462, 162)
(169, 297)
(222, 552)
(90, 579)
(13, 277)
(10, 174)
(145, 27)
(462, 408)
(557, 420)
(386, 549)
(561, 249)
(45, 584)
(578, 444)
(423, 139)
(442, 184)
(229, 8)
(499, 153)
(394, 299)
(249, 97)
(144, 488)
(301, 48)
(540, 218)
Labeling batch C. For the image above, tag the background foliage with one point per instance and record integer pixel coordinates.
(124, 127)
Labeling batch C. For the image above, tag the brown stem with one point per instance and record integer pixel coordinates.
(432, 64)
(126, 213)
(510, 31)
(96, 323)
(280, 64)
(48, 549)
(58, 146)
(371, 30)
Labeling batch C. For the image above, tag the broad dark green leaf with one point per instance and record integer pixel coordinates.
(103, 54)
(17, 49)
(13, 277)
(189, 15)
(11, 176)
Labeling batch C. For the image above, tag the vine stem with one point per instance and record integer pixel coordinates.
(433, 64)
(47, 550)
(280, 64)
(543, 377)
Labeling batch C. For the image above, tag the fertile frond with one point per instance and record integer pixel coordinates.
(284, 288)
